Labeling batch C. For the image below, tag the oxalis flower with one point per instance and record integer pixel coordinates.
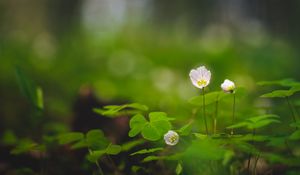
(200, 77)
(228, 86)
(171, 138)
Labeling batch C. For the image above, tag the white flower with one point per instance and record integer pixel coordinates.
(228, 86)
(200, 77)
(171, 138)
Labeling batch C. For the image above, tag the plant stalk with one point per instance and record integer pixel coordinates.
(97, 164)
(205, 122)
(233, 113)
(216, 115)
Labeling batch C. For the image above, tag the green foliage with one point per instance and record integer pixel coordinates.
(33, 93)
(153, 129)
(186, 129)
(178, 169)
(131, 144)
(256, 122)
(117, 110)
(70, 137)
(95, 139)
(113, 149)
(9, 138)
(295, 135)
(145, 151)
(283, 93)
(284, 82)
(24, 146)
(205, 149)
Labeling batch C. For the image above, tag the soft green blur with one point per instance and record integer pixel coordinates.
(133, 60)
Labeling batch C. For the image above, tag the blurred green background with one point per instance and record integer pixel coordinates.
(140, 51)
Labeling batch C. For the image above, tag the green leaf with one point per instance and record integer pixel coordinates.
(95, 140)
(39, 98)
(80, 144)
(131, 144)
(138, 106)
(150, 132)
(178, 169)
(295, 124)
(229, 154)
(24, 146)
(262, 120)
(263, 123)
(151, 158)
(263, 117)
(70, 137)
(9, 138)
(251, 137)
(238, 125)
(210, 98)
(256, 122)
(158, 116)
(114, 110)
(186, 129)
(145, 151)
(113, 149)
(278, 94)
(284, 82)
(93, 156)
(200, 136)
(137, 123)
(135, 168)
(295, 135)
(33, 93)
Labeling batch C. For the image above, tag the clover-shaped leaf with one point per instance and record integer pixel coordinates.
(153, 129)
(96, 140)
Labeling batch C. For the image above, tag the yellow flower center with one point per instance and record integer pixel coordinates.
(173, 138)
(202, 82)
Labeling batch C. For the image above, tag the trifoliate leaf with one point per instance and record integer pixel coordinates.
(95, 139)
(137, 123)
(151, 130)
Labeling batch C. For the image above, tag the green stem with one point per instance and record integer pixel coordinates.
(233, 113)
(291, 108)
(203, 95)
(216, 115)
(97, 164)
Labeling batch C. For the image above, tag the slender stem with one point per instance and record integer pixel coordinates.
(233, 113)
(255, 164)
(97, 164)
(216, 115)
(203, 95)
(291, 108)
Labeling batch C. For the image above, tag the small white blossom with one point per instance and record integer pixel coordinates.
(200, 77)
(228, 86)
(171, 138)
